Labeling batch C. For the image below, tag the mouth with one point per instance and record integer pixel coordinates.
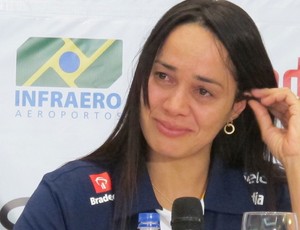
(171, 130)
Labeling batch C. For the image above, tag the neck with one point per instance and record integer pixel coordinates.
(174, 178)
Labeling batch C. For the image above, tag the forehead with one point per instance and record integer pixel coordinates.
(192, 46)
(195, 38)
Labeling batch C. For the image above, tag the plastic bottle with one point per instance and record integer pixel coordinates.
(149, 221)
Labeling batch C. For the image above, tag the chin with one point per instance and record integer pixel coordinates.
(167, 154)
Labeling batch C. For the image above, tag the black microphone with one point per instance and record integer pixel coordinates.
(187, 214)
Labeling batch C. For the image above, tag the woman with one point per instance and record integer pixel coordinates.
(198, 122)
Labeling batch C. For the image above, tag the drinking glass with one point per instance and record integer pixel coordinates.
(269, 221)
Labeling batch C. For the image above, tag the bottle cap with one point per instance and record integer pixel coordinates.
(149, 219)
(151, 216)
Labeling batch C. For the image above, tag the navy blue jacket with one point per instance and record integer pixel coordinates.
(80, 196)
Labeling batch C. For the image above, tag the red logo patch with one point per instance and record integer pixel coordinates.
(101, 182)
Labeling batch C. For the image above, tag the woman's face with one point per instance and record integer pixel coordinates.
(191, 94)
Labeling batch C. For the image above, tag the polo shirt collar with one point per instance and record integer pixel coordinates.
(227, 191)
(144, 200)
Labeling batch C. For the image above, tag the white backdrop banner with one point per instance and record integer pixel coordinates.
(54, 110)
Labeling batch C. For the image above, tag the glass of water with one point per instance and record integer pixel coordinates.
(269, 221)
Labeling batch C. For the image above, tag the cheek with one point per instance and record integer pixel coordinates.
(213, 116)
(144, 118)
(155, 95)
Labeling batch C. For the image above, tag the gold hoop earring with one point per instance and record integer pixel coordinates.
(229, 128)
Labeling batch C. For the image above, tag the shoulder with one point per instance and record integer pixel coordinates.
(75, 188)
(79, 174)
(77, 168)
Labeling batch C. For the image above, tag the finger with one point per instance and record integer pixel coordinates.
(262, 116)
(281, 102)
(270, 96)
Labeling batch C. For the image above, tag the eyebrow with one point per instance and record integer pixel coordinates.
(197, 77)
(170, 67)
(208, 80)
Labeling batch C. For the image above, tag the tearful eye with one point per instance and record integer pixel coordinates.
(203, 92)
(162, 75)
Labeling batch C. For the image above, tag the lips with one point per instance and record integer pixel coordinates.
(171, 130)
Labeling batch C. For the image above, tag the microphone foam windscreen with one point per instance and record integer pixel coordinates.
(187, 214)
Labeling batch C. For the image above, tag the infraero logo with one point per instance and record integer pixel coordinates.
(58, 77)
(65, 62)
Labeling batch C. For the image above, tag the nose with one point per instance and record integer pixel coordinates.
(177, 102)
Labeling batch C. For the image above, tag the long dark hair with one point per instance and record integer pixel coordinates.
(126, 147)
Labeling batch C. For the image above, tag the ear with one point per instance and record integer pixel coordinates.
(238, 108)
